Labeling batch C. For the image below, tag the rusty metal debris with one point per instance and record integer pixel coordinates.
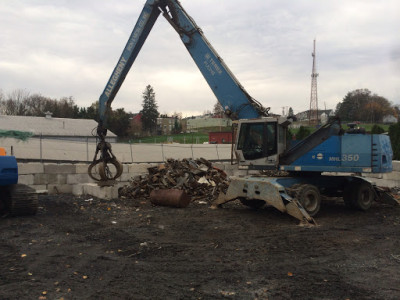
(198, 178)
(274, 173)
(170, 197)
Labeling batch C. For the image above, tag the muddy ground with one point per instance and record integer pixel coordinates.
(85, 248)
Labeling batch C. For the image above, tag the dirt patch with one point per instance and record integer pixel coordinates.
(85, 248)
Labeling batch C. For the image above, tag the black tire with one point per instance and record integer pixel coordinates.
(22, 200)
(254, 203)
(364, 196)
(359, 195)
(310, 198)
(4, 198)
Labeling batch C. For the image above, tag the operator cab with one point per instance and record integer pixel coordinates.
(259, 142)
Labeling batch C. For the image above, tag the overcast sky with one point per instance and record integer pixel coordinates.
(62, 48)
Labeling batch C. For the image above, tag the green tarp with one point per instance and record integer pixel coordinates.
(21, 135)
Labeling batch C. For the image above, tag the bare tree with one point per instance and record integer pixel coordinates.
(36, 105)
(218, 110)
(1, 103)
(14, 103)
(177, 115)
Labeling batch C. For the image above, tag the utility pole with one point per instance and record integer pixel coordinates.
(313, 118)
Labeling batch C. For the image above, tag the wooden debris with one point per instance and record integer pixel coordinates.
(198, 178)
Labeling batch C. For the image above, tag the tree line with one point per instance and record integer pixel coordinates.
(22, 103)
(358, 105)
(364, 106)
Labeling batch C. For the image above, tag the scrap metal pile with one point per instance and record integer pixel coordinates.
(198, 178)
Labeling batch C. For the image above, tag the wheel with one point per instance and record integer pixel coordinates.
(22, 200)
(4, 196)
(363, 195)
(254, 203)
(359, 195)
(309, 197)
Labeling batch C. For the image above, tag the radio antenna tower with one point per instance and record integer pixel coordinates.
(313, 113)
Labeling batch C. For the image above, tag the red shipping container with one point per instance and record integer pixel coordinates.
(220, 137)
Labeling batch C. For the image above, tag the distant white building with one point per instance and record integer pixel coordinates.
(192, 124)
(54, 128)
(389, 119)
(324, 118)
(303, 116)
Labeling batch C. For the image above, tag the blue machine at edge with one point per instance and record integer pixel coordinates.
(15, 199)
(8, 170)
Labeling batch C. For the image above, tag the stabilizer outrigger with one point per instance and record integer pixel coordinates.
(257, 192)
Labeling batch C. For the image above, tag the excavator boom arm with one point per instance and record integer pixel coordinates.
(237, 103)
(135, 42)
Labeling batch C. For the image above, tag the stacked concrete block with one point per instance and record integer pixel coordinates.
(92, 189)
(80, 176)
(73, 178)
(390, 180)
(25, 179)
(139, 169)
(30, 168)
(49, 177)
(50, 168)
(26, 172)
(133, 170)
(233, 170)
(55, 177)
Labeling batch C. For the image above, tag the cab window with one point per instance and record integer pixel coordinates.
(257, 140)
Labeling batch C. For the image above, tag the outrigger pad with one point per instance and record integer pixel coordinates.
(261, 188)
(385, 196)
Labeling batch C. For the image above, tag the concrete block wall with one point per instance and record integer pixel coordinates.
(391, 180)
(55, 178)
(73, 178)
(396, 165)
(232, 170)
(68, 178)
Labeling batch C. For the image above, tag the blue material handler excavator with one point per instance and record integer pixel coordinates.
(15, 199)
(261, 140)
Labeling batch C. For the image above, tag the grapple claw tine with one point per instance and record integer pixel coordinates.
(92, 171)
(106, 173)
(107, 168)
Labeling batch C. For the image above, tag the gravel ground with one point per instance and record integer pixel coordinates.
(86, 248)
